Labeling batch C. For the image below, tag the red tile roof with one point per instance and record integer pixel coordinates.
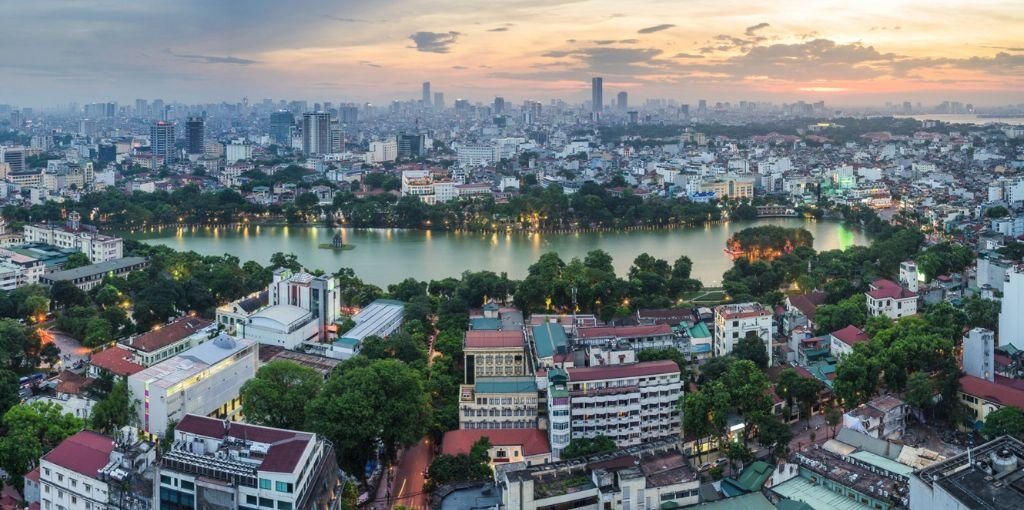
(624, 331)
(808, 303)
(851, 335)
(286, 446)
(157, 339)
(483, 339)
(72, 383)
(888, 289)
(33, 475)
(85, 452)
(619, 371)
(532, 441)
(116, 361)
(993, 392)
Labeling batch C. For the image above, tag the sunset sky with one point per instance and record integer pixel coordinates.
(57, 51)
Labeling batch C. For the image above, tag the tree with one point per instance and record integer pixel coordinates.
(1006, 420)
(9, 390)
(64, 294)
(752, 348)
(774, 435)
(76, 260)
(278, 395)
(852, 310)
(920, 391)
(833, 417)
(714, 368)
(385, 397)
(463, 467)
(97, 332)
(18, 343)
(981, 313)
(114, 411)
(584, 447)
(697, 417)
(666, 353)
(288, 261)
(32, 430)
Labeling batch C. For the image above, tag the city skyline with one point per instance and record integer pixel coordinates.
(351, 51)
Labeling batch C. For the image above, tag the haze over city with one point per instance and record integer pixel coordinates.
(75, 51)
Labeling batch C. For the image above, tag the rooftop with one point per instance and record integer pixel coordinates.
(477, 339)
(742, 310)
(988, 477)
(851, 335)
(95, 269)
(157, 339)
(85, 453)
(1001, 394)
(644, 368)
(888, 289)
(376, 314)
(532, 441)
(116, 360)
(193, 361)
(549, 338)
(624, 331)
(284, 447)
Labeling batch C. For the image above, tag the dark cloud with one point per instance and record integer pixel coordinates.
(817, 59)
(655, 28)
(610, 60)
(211, 59)
(459, 68)
(345, 20)
(434, 42)
(750, 30)
(687, 55)
(1004, 48)
(368, 63)
(1003, 64)
(499, 29)
(605, 42)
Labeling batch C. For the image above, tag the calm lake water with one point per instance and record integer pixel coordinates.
(383, 256)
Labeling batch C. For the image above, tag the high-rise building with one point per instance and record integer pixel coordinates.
(141, 107)
(597, 94)
(499, 105)
(439, 100)
(623, 101)
(412, 146)
(316, 133)
(348, 114)
(195, 134)
(426, 94)
(280, 127)
(702, 107)
(1011, 321)
(161, 140)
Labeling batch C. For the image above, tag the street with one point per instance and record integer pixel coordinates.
(406, 479)
(802, 432)
(68, 346)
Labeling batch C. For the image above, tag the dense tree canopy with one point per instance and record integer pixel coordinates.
(278, 395)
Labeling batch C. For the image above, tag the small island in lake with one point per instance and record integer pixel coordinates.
(767, 242)
(337, 244)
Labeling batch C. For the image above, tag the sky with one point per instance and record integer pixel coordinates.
(197, 51)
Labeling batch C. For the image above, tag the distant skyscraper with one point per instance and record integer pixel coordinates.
(161, 140)
(439, 100)
(195, 134)
(280, 127)
(141, 107)
(597, 93)
(348, 114)
(702, 107)
(623, 101)
(499, 105)
(316, 133)
(426, 94)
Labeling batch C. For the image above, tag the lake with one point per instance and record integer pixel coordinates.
(383, 256)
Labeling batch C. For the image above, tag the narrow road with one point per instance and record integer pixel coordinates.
(407, 487)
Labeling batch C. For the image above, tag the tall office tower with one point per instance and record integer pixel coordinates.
(316, 133)
(439, 100)
(195, 134)
(161, 139)
(597, 93)
(141, 107)
(684, 110)
(337, 138)
(348, 114)
(623, 101)
(499, 105)
(426, 94)
(15, 159)
(702, 107)
(157, 109)
(281, 123)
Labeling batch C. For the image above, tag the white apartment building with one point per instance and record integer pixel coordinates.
(98, 247)
(888, 298)
(237, 150)
(909, 275)
(316, 294)
(168, 340)
(628, 403)
(222, 465)
(86, 472)
(1011, 318)
(17, 270)
(979, 353)
(477, 155)
(421, 183)
(381, 151)
(733, 322)
(203, 380)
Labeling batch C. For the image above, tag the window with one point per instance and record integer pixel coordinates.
(88, 488)
(269, 503)
(284, 505)
(165, 479)
(187, 485)
(251, 500)
(284, 487)
(264, 484)
(60, 477)
(74, 483)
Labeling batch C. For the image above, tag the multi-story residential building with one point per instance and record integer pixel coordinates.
(841, 342)
(422, 184)
(493, 354)
(91, 276)
(651, 475)
(477, 155)
(731, 186)
(17, 270)
(97, 247)
(858, 480)
(499, 403)
(627, 403)
(382, 151)
(883, 417)
(979, 347)
(316, 294)
(975, 479)
(168, 340)
(316, 133)
(203, 380)
(216, 464)
(161, 141)
(888, 298)
(735, 321)
(657, 336)
(90, 471)
(1011, 320)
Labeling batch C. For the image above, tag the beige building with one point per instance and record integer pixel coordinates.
(499, 403)
(730, 186)
(493, 354)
